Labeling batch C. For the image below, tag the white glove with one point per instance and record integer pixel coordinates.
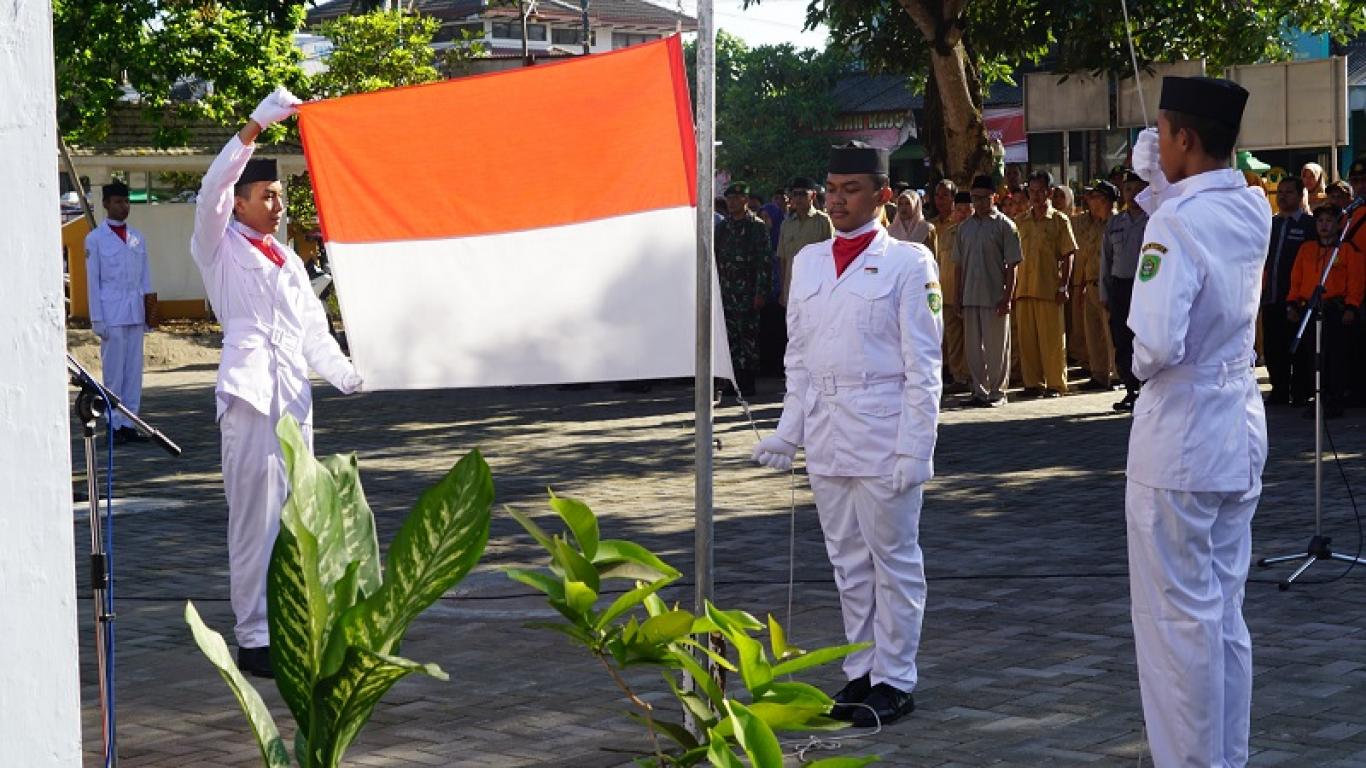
(100, 330)
(775, 453)
(351, 384)
(910, 471)
(1147, 161)
(275, 107)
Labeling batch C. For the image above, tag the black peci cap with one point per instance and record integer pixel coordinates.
(858, 157)
(1209, 97)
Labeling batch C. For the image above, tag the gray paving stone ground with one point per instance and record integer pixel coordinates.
(1027, 657)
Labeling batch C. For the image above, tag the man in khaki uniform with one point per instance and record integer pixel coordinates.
(1048, 246)
(1095, 321)
(946, 225)
(804, 226)
(986, 253)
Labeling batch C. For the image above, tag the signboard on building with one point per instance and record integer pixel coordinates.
(1129, 110)
(1298, 104)
(1075, 102)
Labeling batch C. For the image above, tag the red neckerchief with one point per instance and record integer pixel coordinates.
(847, 249)
(266, 246)
(121, 230)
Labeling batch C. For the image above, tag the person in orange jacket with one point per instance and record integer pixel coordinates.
(1343, 293)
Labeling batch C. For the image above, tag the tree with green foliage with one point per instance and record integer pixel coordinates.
(772, 104)
(953, 48)
(243, 48)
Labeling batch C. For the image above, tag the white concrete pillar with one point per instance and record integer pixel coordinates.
(40, 723)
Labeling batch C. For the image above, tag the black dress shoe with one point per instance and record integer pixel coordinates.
(255, 661)
(1032, 392)
(1051, 393)
(853, 692)
(884, 705)
(1127, 404)
(124, 435)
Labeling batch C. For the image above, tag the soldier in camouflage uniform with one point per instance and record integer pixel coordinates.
(742, 264)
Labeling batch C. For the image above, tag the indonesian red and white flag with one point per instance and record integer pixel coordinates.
(534, 226)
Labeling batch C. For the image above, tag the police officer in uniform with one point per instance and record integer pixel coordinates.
(122, 304)
(863, 385)
(1198, 443)
(274, 331)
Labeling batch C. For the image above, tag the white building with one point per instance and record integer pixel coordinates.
(553, 28)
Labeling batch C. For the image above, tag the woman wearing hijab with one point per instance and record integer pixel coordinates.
(1315, 183)
(910, 225)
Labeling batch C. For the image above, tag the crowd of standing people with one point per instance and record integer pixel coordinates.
(1037, 281)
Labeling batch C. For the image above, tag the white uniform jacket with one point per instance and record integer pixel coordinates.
(1199, 423)
(117, 276)
(274, 327)
(863, 357)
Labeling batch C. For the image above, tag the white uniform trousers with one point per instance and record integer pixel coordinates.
(872, 536)
(1188, 561)
(256, 486)
(121, 366)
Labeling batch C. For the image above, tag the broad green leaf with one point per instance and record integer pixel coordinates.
(296, 612)
(273, 749)
(816, 658)
(778, 640)
(532, 528)
(314, 495)
(654, 605)
(616, 556)
(692, 703)
(718, 752)
(553, 588)
(439, 543)
(575, 566)
(667, 627)
(580, 597)
(754, 667)
(580, 520)
(358, 522)
(629, 600)
(844, 762)
(800, 694)
(738, 619)
(718, 659)
(755, 737)
(785, 717)
(345, 699)
(308, 560)
(700, 679)
(347, 589)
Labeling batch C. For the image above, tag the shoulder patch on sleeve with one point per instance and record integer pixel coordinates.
(1159, 247)
(934, 297)
(1148, 266)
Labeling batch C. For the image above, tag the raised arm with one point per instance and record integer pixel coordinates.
(213, 208)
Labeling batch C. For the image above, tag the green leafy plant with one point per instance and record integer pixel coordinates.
(336, 620)
(637, 628)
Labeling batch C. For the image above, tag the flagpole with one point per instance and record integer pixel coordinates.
(706, 195)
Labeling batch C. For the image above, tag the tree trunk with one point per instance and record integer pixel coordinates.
(954, 134)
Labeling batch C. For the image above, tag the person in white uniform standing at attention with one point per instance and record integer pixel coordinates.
(1198, 443)
(274, 330)
(863, 384)
(122, 304)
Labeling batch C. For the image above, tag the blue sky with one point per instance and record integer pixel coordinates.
(769, 22)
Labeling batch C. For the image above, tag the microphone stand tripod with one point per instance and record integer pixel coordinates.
(92, 403)
(1320, 546)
